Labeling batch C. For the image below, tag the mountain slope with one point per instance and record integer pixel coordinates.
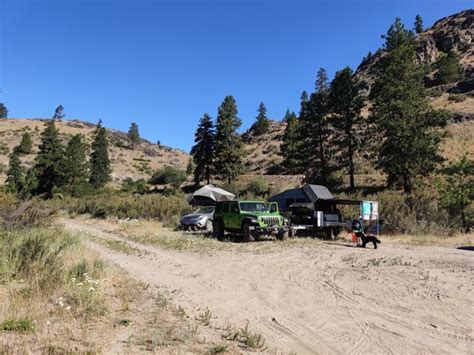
(126, 163)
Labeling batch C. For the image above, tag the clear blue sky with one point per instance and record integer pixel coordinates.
(164, 63)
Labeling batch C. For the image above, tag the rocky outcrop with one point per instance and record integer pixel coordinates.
(451, 33)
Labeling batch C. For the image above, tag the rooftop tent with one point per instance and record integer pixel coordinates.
(209, 195)
(306, 194)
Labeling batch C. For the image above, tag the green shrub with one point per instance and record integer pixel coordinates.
(258, 187)
(17, 325)
(168, 175)
(134, 186)
(165, 208)
(457, 97)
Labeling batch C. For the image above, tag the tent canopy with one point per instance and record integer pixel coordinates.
(209, 195)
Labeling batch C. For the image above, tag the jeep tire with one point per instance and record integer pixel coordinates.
(218, 230)
(246, 233)
(282, 234)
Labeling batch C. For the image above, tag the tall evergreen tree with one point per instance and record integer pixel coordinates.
(3, 111)
(315, 131)
(14, 181)
(406, 124)
(203, 149)
(262, 123)
(290, 146)
(25, 145)
(76, 166)
(457, 193)
(418, 25)
(133, 135)
(229, 149)
(59, 113)
(48, 162)
(397, 35)
(99, 161)
(346, 104)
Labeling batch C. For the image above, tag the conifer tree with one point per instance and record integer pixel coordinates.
(346, 104)
(457, 194)
(449, 70)
(3, 111)
(30, 184)
(406, 125)
(262, 123)
(76, 166)
(418, 25)
(203, 149)
(133, 135)
(290, 146)
(59, 113)
(25, 145)
(314, 133)
(14, 181)
(48, 162)
(229, 149)
(100, 162)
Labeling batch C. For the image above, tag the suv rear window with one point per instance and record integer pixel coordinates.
(225, 207)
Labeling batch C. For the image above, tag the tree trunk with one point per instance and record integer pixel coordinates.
(407, 188)
(463, 221)
(351, 165)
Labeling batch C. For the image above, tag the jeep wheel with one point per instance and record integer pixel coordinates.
(282, 234)
(209, 226)
(247, 235)
(218, 230)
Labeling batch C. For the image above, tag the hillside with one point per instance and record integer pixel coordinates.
(138, 163)
(450, 33)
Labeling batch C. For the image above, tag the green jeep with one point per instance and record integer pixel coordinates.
(250, 219)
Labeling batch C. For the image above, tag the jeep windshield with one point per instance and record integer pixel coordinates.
(253, 207)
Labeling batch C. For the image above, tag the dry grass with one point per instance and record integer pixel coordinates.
(456, 240)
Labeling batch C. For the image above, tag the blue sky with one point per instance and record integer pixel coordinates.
(164, 63)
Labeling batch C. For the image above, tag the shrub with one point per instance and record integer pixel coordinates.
(134, 186)
(168, 175)
(164, 208)
(17, 325)
(258, 187)
(15, 214)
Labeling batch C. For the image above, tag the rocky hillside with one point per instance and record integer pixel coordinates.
(450, 33)
(138, 163)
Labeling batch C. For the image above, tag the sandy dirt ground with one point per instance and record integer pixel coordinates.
(326, 298)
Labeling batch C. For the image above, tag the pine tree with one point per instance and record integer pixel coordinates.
(203, 149)
(100, 162)
(30, 184)
(290, 146)
(314, 133)
(59, 113)
(449, 70)
(418, 25)
(14, 181)
(457, 194)
(262, 123)
(133, 135)
(25, 145)
(406, 125)
(229, 148)
(76, 166)
(396, 35)
(346, 104)
(3, 111)
(48, 162)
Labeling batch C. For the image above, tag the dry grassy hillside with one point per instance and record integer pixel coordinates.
(138, 163)
(263, 152)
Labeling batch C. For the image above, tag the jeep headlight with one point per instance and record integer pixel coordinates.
(255, 220)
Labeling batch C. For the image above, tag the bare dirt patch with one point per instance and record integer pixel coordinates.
(318, 297)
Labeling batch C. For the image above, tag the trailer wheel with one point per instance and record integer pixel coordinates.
(246, 233)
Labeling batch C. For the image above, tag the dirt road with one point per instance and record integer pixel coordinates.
(324, 298)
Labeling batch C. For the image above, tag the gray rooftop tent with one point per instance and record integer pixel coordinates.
(209, 195)
(308, 194)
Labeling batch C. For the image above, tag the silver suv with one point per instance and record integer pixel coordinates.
(199, 219)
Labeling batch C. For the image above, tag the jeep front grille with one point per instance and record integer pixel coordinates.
(271, 220)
